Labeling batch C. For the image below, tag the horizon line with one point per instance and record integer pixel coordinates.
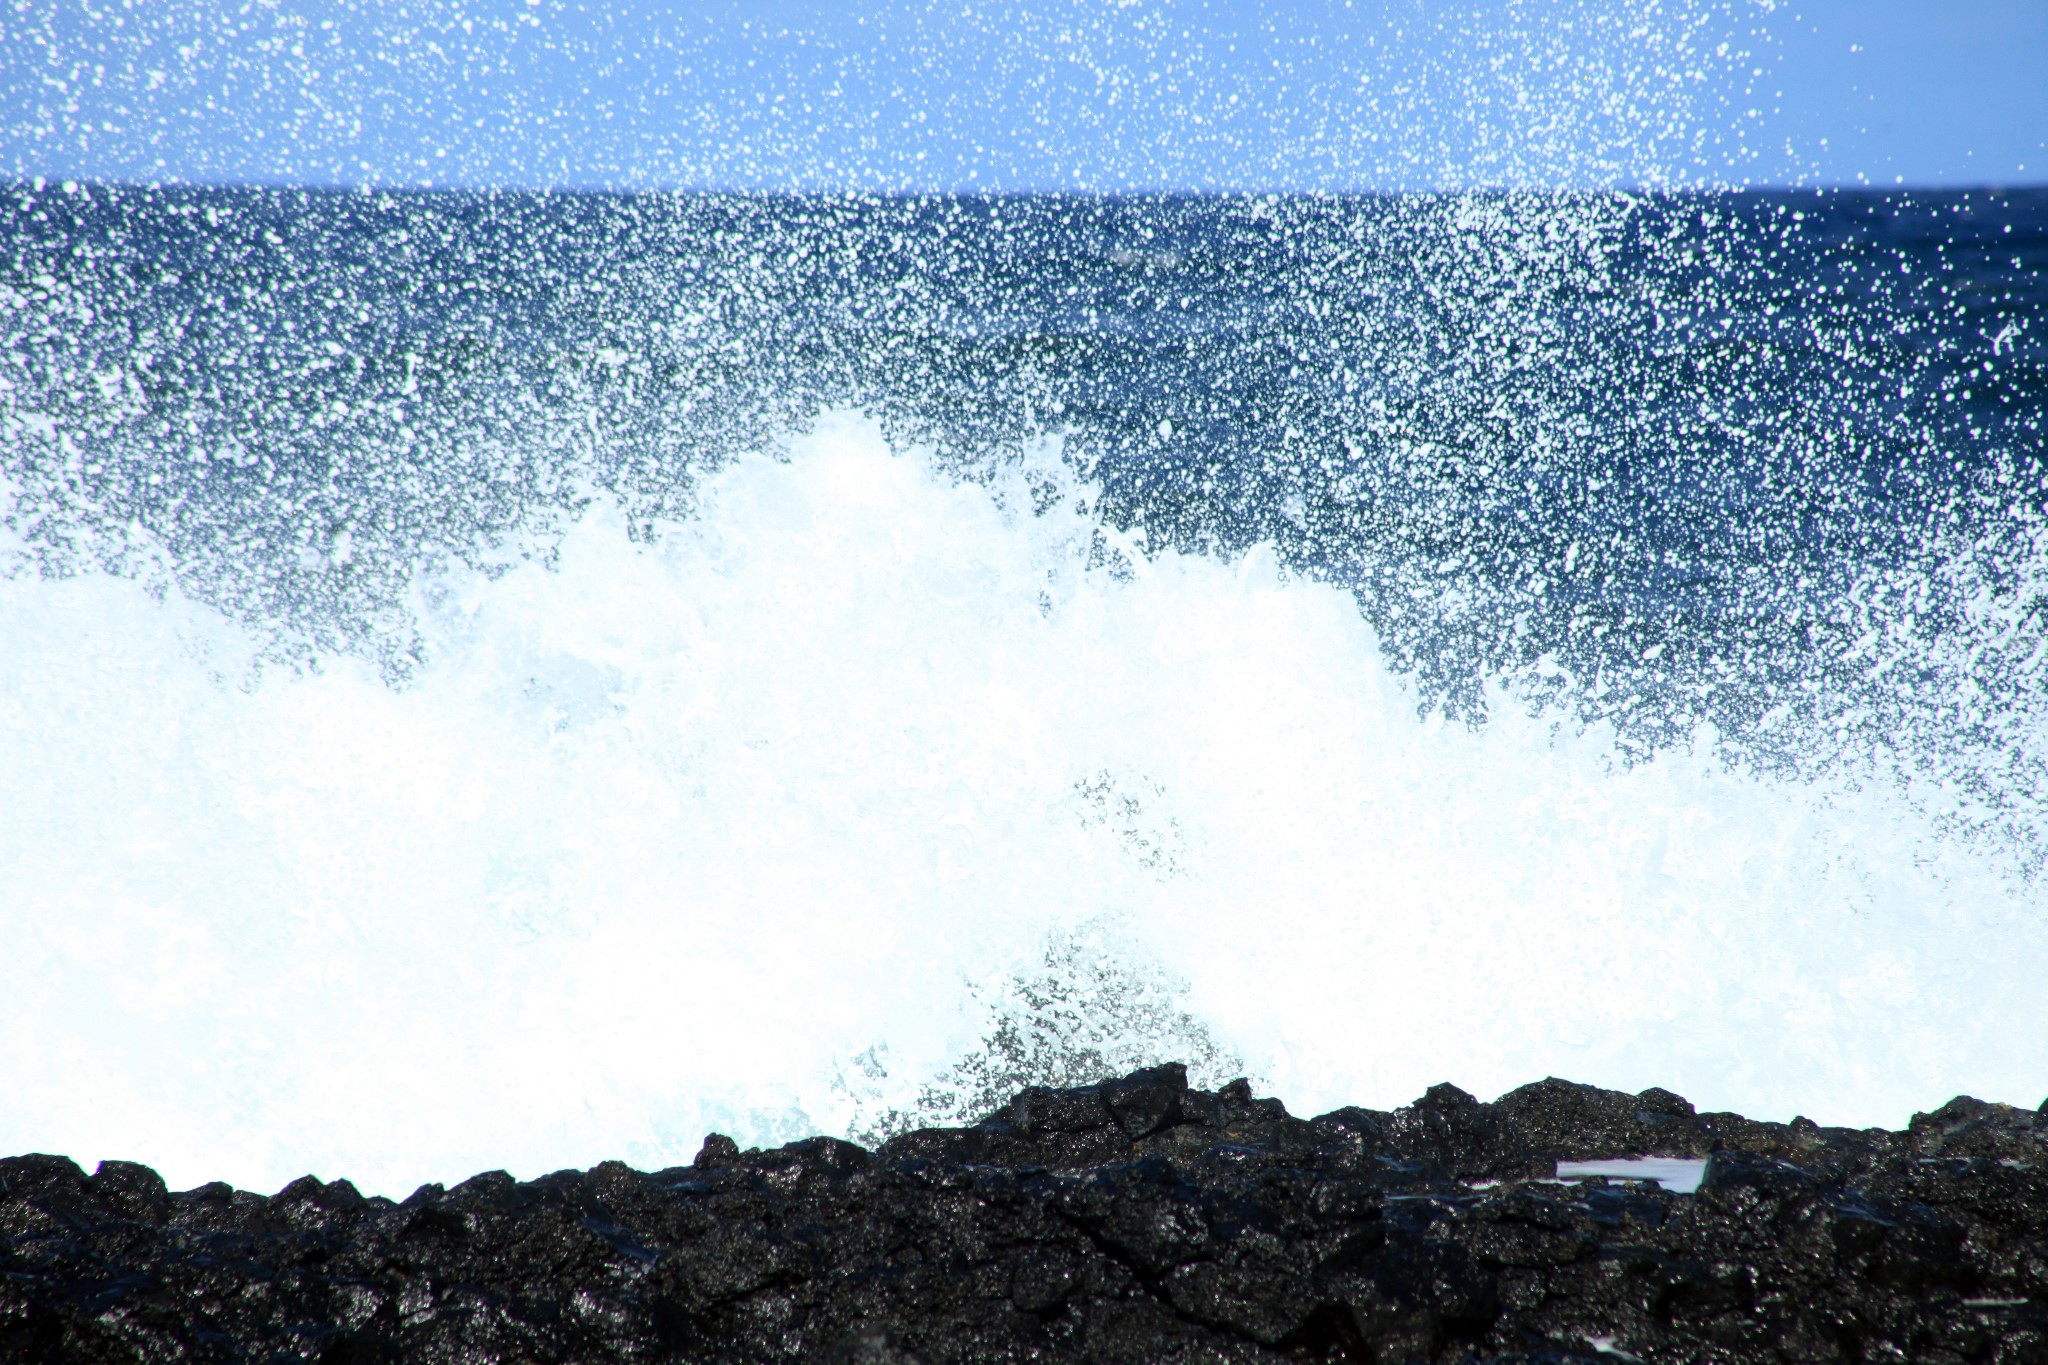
(39, 184)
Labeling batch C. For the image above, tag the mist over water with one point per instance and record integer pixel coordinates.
(494, 680)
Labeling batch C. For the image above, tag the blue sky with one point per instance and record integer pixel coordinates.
(1090, 94)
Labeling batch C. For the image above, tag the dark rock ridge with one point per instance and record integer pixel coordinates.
(1136, 1220)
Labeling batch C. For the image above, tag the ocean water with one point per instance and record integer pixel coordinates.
(495, 680)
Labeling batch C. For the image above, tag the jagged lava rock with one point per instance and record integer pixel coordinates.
(1137, 1220)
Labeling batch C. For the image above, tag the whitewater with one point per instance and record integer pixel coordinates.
(761, 817)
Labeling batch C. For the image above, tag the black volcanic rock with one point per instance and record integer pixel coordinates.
(1136, 1220)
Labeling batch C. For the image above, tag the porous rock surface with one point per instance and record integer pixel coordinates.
(1137, 1220)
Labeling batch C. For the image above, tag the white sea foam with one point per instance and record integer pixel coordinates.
(1680, 1175)
(663, 837)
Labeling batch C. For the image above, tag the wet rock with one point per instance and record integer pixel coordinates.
(1137, 1220)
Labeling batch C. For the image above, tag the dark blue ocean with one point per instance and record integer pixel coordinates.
(562, 672)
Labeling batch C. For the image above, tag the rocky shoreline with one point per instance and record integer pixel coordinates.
(1133, 1221)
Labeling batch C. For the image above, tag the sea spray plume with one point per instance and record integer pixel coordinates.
(680, 822)
(1512, 422)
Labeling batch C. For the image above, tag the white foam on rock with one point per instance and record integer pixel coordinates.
(662, 837)
(1680, 1175)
